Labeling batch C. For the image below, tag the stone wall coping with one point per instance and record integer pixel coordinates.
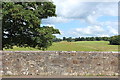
(60, 52)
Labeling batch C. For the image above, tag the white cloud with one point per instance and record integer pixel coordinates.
(51, 25)
(90, 30)
(96, 31)
(52, 20)
(87, 11)
(112, 30)
(104, 35)
(109, 9)
(94, 0)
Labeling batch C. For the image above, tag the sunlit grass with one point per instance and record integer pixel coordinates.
(83, 46)
(74, 46)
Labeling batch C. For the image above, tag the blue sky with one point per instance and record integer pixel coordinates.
(84, 19)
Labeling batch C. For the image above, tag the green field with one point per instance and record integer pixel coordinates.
(75, 46)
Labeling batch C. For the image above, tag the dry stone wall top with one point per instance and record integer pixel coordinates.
(45, 63)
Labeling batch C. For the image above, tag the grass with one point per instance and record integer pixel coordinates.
(75, 46)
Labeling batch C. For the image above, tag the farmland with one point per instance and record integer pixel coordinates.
(74, 46)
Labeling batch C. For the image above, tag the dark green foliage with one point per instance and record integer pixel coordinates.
(69, 39)
(115, 40)
(21, 24)
(64, 38)
(106, 38)
(98, 38)
(77, 39)
(82, 39)
(57, 40)
(92, 39)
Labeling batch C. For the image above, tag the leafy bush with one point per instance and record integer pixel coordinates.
(115, 40)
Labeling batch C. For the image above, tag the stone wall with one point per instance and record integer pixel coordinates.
(59, 63)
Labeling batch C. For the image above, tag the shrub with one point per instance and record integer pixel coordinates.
(115, 40)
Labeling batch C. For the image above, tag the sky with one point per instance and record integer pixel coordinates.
(84, 19)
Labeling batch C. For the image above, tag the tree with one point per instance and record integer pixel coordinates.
(115, 40)
(69, 39)
(64, 38)
(98, 38)
(87, 39)
(82, 39)
(21, 24)
(106, 38)
(57, 40)
(92, 38)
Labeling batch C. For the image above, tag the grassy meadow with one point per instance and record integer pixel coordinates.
(74, 46)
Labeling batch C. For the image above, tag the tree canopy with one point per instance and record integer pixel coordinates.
(115, 40)
(21, 24)
(70, 39)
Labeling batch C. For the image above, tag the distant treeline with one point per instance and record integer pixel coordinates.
(114, 40)
(70, 39)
